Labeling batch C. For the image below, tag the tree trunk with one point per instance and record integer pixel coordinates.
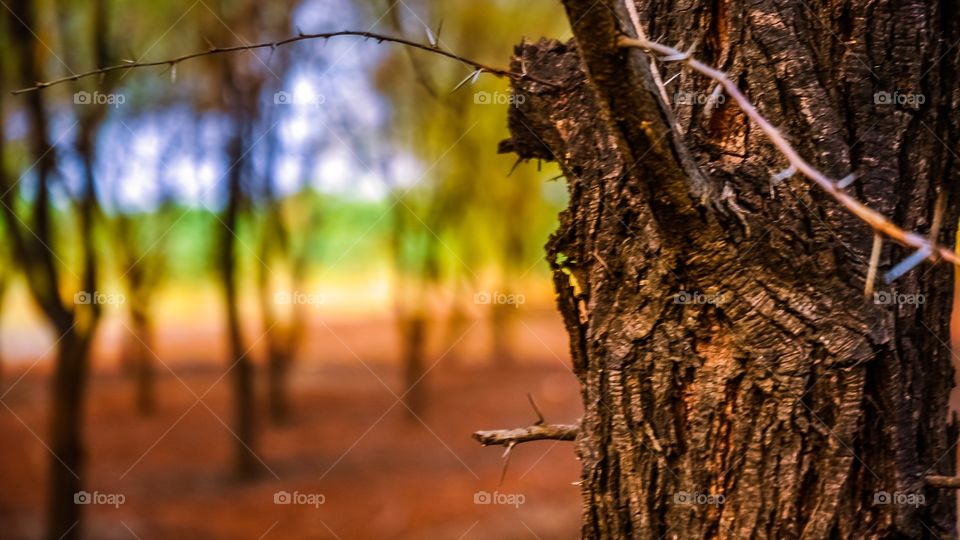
(143, 367)
(503, 319)
(278, 369)
(4, 282)
(735, 382)
(415, 337)
(67, 457)
(242, 369)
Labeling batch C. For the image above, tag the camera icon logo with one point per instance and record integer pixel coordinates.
(682, 497)
(482, 497)
(282, 98)
(481, 98)
(883, 297)
(81, 98)
(881, 497)
(81, 497)
(82, 297)
(282, 497)
(482, 298)
(282, 298)
(882, 98)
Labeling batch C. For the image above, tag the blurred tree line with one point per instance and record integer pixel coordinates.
(203, 173)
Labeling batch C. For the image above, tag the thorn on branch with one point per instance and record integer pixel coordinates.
(506, 462)
(679, 57)
(874, 263)
(431, 39)
(536, 409)
(907, 264)
(845, 182)
(715, 94)
(784, 174)
(472, 78)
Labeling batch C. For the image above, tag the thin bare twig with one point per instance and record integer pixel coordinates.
(172, 62)
(874, 219)
(947, 482)
(537, 432)
(874, 264)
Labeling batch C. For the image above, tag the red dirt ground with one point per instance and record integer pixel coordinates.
(383, 473)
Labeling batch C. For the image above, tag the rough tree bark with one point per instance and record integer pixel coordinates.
(777, 386)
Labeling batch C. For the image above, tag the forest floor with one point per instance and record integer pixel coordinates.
(379, 472)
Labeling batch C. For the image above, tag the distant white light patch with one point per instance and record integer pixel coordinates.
(289, 175)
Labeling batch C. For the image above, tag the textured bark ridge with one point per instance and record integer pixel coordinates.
(735, 382)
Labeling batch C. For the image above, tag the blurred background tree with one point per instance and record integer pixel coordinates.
(249, 207)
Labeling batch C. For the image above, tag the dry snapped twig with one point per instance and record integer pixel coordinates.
(946, 482)
(926, 247)
(539, 431)
(536, 432)
(171, 63)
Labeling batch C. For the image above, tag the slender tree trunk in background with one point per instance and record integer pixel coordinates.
(414, 351)
(4, 282)
(66, 444)
(143, 368)
(241, 367)
(282, 337)
(503, 321)
(458, 322)
(415, 347)
(278, 370)
(735, 382)
(74, 325)
(503, 315)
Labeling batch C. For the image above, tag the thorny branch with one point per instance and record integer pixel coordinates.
(539, 431)
(927, 248)
(172, 62)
